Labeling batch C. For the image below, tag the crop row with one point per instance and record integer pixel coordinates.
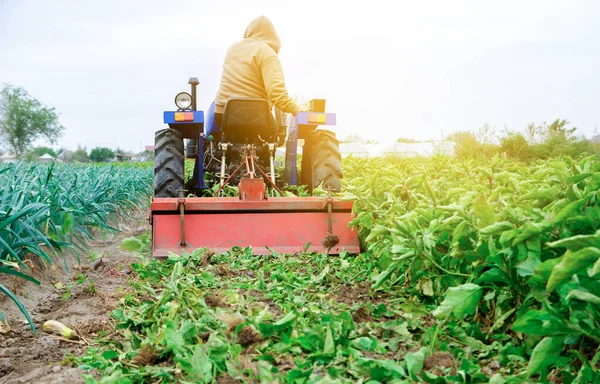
(514, 247)
(471, 271)
(47, 209)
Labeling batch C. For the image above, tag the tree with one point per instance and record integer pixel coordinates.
(532, 131)
(100, 154)
(24, 119)
(558, 131)
(486, 134)
(515, 145)
(466, 144)
(36, 152)
(80, 155)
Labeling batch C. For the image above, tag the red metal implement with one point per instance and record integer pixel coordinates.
(283, 224)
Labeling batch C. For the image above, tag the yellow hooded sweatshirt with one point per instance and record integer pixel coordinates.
(252, 69)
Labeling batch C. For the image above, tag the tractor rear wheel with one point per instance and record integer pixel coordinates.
(168, 163)
(326, 160)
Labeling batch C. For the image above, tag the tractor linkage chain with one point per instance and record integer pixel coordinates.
(330, 240)
(181, 205)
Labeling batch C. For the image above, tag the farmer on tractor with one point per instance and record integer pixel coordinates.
(234, 145)
(252, 69)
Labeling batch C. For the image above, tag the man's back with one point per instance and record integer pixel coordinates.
(252, 69)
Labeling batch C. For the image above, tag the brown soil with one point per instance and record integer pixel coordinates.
(352, 294)
(226, 379)
(439, 362)
(215, 300)
(257, 298)
(145, 356)
(361, 315)
(247, 336)
(29, 358)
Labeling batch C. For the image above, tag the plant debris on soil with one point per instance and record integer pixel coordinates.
(276, 325)
(80, 298)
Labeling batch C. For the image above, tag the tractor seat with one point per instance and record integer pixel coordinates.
(247, 120)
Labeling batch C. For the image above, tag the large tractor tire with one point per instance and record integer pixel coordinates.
(168, 163)
(326, 161)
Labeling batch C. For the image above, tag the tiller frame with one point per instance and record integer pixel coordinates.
(285, 225)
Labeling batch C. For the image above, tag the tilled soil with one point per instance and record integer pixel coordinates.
(82, 303)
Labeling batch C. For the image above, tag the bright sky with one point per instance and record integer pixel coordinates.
(387, 68)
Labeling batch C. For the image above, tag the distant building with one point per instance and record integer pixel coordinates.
(125, 157)
(46, 158)
(149, 148)
(354, 150)
(7, 157)
(416, 149)
(65, 156)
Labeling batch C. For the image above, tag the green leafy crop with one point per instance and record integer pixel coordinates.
(473, 271)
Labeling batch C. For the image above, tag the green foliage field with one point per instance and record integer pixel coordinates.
(46, 209)
(473, 271)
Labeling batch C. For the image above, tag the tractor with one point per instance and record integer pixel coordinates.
(240, 150)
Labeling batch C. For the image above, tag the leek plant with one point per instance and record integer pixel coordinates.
(47, 208)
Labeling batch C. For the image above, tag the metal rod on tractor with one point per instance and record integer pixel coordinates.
(193, 81)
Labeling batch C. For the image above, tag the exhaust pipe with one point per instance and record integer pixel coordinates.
(193, 81)
(191, 149)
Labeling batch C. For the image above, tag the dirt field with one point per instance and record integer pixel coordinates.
(79, 299)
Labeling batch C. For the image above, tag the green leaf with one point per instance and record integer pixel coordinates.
(460, 301)
(429, 191)
(285, 321)
(329, 347)
(500, 321)
(201, 364)
(414, 363)
(321, 276)
(461, 230)
(384, 276)
(544, 269)
(265, 371)
(595, 269)
(485, 212)
(545, 353)
(543, 195)
(67, 223)
(499, 226)
(173, 339)
(570, 210)
(527, 267)
(364, 343)
(494, 275)
(109, 355)
(8, 293)
(575, 243)
(577, 178)
(530, 229)
(131, 244)
(572, 263)
(583, 296)
(426, 287)
(540, 322)
(10, 271)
